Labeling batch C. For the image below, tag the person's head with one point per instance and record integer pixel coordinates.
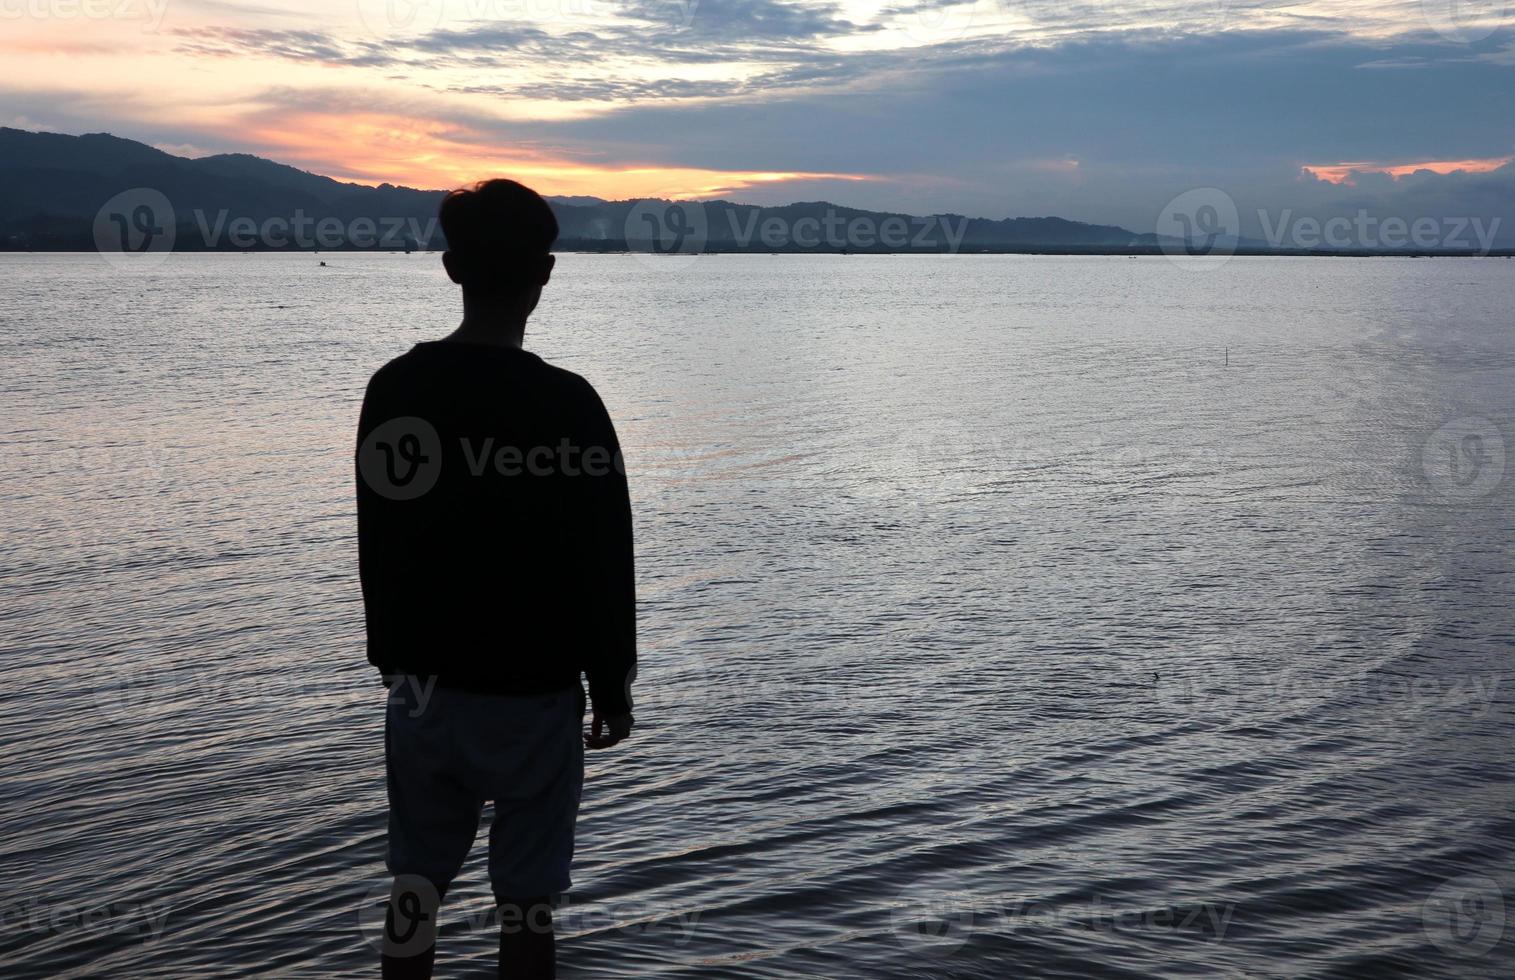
(499, 234)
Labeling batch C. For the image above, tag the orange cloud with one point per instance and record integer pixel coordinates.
(1342, 173)
(51, 45)
(373, 148)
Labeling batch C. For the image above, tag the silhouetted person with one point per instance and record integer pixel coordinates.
(494, 538)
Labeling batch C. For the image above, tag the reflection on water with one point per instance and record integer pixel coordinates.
(1001, 616)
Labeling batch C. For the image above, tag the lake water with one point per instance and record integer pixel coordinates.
(1000, 616)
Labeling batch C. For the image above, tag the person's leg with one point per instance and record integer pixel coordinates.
(536, 800)
(410, 929)
(433, 819)
(528, 949)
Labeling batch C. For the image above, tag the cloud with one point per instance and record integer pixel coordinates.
(1349, 173)
(293, 45)
(752, 21)
(980, 119)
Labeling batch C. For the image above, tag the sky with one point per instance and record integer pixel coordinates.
(1100, 112)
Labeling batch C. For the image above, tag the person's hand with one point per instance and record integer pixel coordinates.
(607, 730)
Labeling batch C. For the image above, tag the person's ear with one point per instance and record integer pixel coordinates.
(450, 264)
(552, 260)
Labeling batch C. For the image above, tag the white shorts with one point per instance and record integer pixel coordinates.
(447, 752)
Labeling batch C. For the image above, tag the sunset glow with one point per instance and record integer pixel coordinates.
(374, 148)
(1342, 173)
(967, 107)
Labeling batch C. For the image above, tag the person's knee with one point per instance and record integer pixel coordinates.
(435, 874)
(410, 920)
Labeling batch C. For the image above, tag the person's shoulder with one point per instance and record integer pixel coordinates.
(422, 360)
(390, 368)
(571, 384)
(385, 377)
(397, 366)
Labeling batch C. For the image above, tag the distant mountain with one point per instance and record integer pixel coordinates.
(82, 192)
(815, 226)
(578, 201)
(53, 189)
(97, 191)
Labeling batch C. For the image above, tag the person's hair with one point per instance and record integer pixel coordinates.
(499, 234)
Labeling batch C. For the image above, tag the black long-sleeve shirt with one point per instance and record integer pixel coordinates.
(494, 526)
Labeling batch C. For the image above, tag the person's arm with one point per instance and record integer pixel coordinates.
(373, 531)
(612, 662)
